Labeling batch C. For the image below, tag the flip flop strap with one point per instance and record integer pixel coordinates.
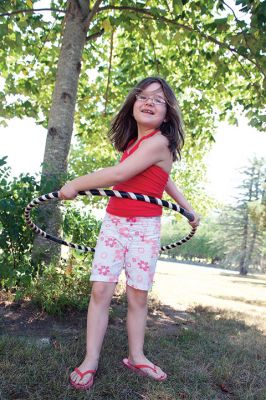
(82, 374)
(141, 366)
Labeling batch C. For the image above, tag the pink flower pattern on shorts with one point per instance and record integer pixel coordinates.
(131, 220)
(132, 244)
(110, 242)
(143, 265)
(115, 220)
(112, 278)
(124, 231)
(119, 254)
(103, 270)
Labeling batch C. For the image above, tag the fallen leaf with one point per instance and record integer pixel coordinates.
(182, 395)
(223, 388)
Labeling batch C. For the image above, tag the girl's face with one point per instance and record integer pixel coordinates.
(150, 107)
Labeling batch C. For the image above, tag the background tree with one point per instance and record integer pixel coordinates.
(211, 57)
(242, 234)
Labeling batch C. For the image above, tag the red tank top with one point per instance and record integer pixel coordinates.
(151, 182)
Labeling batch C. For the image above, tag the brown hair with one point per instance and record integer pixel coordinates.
(124, 127)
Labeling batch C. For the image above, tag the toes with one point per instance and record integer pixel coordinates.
(159, 374)
(73, 376)
(85, 380)
(78, 380)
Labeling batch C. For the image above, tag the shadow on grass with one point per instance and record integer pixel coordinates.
(246, 278)
(208, 355)
(259, 303)
(261, 284)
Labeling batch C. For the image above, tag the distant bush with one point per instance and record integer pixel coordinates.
(205, 246)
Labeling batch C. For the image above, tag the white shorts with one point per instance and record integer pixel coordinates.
(131, 243)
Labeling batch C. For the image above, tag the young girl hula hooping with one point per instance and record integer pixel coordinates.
(148, 130)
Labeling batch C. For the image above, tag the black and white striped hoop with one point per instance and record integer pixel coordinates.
(108, 193)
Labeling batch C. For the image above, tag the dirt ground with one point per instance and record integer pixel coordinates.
(178, 287)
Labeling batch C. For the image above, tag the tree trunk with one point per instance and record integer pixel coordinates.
(254, 227)
(60, 127)
(243, 269)
(243, 265)
(251, 247)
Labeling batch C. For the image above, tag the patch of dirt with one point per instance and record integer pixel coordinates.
(25, 319)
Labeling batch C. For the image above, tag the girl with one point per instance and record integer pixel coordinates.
(148, 130)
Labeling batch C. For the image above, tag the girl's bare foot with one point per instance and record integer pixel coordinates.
(86, 365)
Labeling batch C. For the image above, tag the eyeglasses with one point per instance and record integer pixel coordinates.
(156, 100)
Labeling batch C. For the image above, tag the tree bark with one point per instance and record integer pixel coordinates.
(243, 269)
(60, 127)
(244, 259)
(254, 235)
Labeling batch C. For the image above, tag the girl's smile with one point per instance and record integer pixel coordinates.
(147, 112)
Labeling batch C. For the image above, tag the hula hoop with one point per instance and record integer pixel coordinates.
(109, 193)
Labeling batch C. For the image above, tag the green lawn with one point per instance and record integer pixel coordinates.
(208, 353)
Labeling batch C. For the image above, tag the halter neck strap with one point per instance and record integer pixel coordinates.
(137, 143)
(150, 134)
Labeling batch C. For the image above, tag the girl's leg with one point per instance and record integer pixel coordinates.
(136, 324)
(97, 321)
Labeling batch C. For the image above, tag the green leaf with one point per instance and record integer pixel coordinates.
(29, 3)
(220, 21)
(262, 118)
(177, 6)
(3, 29)
(107, 25)
(3, 161)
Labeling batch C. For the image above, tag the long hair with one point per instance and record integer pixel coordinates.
(124, 127)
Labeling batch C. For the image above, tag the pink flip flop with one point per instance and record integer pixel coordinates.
(138, 369)
(87, 385)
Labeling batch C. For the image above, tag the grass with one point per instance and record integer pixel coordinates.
(188, 285)
(208, 353)
(209, 358)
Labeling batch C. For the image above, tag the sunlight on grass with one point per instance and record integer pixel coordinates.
(184, 285)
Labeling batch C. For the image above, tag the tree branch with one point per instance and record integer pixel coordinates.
(167, 5)
(95, 35)
(248, 76)
(245, 38)
(45, 40)
(109, 71)
(147, 32)
(148, 14)
(31, 10)
(93, 11)
(84, 6)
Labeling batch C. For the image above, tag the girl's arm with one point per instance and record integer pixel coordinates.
(172, 190)
(146, 155)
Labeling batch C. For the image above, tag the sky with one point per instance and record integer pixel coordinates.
(23, 142)
(234, 148)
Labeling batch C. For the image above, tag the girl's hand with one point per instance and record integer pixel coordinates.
(196, 220)
(68, 192)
